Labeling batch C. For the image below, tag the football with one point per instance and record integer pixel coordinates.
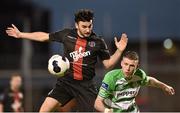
(58, 65)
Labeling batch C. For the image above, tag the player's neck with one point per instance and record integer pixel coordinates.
(128, 77)
(14, 89)
(80, 35)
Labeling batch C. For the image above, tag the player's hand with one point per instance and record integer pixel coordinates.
(121, 45)
(169, 90)
(13, 31)
(107, 110)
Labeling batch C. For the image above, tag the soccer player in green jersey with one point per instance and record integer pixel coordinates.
(120, 86)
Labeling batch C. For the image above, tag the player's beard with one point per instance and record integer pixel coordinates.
(83, 35)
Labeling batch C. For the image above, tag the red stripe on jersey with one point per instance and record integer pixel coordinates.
(77, 65)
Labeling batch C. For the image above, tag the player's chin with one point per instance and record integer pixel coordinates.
(128, 74)
(86, 35)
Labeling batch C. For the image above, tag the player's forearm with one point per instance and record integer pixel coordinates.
(156, 83)
(36, 36)
(99, 106)
(103, 109)
(114, 59)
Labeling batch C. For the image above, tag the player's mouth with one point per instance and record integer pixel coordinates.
(87, 34)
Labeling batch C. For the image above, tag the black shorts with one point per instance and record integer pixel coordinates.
(85, 93)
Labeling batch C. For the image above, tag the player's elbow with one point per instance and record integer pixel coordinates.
(42, 39)
(42, 36)
(108, 67)
(107, 64)
(153, 82)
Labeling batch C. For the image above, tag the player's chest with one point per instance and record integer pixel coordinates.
(126, 89)
(14, 96)
(123, 84)
(81, 47)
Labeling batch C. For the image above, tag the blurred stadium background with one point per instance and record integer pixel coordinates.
(153, 28)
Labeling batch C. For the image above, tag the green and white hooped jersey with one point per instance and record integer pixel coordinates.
(119, 93)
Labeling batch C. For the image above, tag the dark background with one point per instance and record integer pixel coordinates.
(147, 23)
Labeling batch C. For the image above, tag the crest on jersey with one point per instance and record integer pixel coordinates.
(91, 44)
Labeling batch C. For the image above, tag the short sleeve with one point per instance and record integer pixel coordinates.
(1, 98)
(59, 36)
(103, 52)
(144, 78)
(106, 88)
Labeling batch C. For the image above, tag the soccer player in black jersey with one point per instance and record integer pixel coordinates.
(12, 98)
(82, 47)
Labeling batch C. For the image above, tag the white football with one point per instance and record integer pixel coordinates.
(58, 65)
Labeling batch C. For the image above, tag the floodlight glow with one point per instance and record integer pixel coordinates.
(168, 43)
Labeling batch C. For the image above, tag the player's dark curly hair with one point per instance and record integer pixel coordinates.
(84, 15)
(132, 55)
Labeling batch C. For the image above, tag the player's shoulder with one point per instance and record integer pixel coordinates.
(140, 72)
(65, 30)
(99, 40)
(113, 73)
(6, 92)
(68, 30)
(96, 37)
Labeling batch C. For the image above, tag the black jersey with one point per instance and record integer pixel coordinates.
(12, 101)
(81, 52)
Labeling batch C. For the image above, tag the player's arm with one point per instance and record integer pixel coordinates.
(1, 107)
(156, 83)
(99, 106)
(121, 45)
(36, 36)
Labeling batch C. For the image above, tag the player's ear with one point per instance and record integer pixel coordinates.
(76, 25)
(121, 63)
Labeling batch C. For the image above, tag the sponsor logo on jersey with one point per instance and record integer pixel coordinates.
(104, 86)
(127, 93)
(79, 54)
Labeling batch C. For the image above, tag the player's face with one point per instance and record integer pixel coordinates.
(129, 66)
(84, 29)
(16, 82)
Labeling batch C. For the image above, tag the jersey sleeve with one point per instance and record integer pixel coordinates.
(58, 36)
(1, 98)
(106, 88)
(103, 52)
(144, 78)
